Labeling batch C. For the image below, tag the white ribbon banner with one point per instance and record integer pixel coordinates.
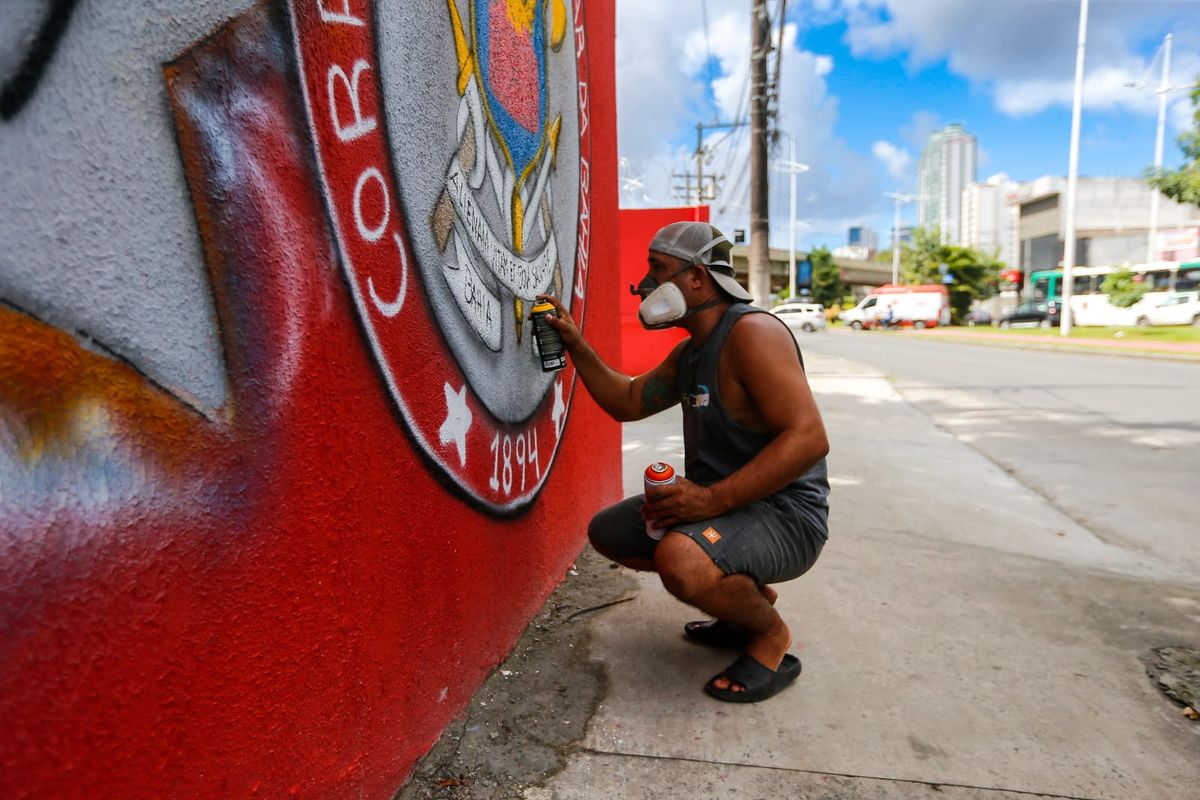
(525, 278)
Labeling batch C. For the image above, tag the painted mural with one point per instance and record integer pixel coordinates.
(280, 478)
(465, 248)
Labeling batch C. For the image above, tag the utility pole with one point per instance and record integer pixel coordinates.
(708, 192)
(760, 223)
(898, 198)
(793, 168)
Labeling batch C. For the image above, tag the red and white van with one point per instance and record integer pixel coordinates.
(924, 306)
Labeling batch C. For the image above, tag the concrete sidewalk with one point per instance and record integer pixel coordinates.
(952, 648)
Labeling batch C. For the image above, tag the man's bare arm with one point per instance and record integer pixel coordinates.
(768, 367)
(622, 397)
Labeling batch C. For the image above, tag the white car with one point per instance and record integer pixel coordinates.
(1179, 308)
(807, 317)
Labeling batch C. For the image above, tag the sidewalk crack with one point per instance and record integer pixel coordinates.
(935, 785)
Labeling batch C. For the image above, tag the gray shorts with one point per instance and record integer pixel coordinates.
(771, 540)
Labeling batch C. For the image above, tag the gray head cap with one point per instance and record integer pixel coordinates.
(701, 243)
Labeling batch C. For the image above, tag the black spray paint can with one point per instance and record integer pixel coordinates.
(547, 341)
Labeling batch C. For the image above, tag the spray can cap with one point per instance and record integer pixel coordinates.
(541, 306)
(660, 471)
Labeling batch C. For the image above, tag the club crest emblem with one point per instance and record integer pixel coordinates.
(454, 153)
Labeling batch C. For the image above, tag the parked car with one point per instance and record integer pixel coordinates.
(807, 317)
(1032, 314)
(1179, 308)
(978, 316)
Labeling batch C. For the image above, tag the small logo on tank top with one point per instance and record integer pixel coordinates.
(697, 399)
(712, 535)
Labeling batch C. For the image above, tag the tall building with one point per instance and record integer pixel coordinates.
(863, 236)
(905, 233)
(862, 242)
(1112, 223)
(989, 219)
(947, 166)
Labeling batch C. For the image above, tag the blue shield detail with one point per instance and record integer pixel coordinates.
(509, 103)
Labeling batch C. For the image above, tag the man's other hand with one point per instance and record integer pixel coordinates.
(679, 502)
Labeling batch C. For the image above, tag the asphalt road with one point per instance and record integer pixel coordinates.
(1111, 441)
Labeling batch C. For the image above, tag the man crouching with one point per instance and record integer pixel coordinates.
(753, 509)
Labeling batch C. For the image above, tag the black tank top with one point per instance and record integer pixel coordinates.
(714, 444)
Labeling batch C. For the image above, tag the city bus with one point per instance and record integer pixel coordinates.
(1090, 306)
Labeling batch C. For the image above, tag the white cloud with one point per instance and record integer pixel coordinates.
(1023, 51)
(654, 89)
(1104, 88)
(663, 82)
(896, 159)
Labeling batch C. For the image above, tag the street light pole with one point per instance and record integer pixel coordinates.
(792, 229)
(898, 198)
(1073, 172)
(1163, 88)
(896, 242)
(793, 168)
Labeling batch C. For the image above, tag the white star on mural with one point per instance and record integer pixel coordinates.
(559, 412)
(458, 421)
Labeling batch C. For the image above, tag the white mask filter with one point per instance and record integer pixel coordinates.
(663, 307)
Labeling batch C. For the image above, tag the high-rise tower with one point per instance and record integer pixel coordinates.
(947, 166)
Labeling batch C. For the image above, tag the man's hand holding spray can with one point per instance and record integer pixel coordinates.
(552, 355)
(658, 474)
(547, 341)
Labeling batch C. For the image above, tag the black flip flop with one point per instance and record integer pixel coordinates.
(758, 682)
(717, 633)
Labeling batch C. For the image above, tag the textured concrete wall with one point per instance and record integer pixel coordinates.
(279, 478)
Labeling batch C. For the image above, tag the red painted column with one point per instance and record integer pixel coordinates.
(293, 594)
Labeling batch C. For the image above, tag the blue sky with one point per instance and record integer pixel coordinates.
(864, 81)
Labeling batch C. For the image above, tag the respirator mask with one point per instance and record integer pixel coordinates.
(662, 303)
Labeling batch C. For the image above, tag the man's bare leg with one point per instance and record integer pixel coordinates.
(689, 574)
(639, 564)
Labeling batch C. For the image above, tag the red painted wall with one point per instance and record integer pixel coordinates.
(292, 594)
(642, 350)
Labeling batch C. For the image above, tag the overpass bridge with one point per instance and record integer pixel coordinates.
(860, 275)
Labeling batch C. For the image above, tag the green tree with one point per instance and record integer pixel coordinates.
(1121, 288)
(1183, 184)
(827, 286)
(973, 275)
